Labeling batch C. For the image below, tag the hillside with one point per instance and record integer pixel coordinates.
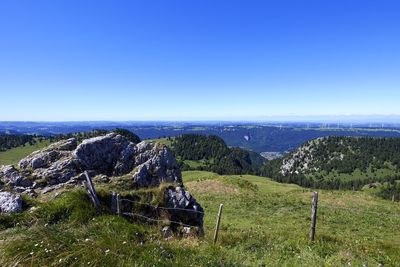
(209, 152)
(339, 162)
(263, 223)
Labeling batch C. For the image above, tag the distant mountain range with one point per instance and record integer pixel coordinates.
(254, 136)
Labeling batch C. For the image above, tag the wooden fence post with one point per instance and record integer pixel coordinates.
(90, 190)
(114, 202)
(118, 204)
(393, 198)
(314, 216)
(218, 223)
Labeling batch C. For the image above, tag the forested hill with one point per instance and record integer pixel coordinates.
(339, 162)
(211, 153)
(9, 141)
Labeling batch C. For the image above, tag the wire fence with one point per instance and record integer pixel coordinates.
(132, 214)
(155, 220)
(116, 202)
(229, 228)
(161, 208)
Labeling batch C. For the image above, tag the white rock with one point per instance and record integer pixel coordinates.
(10, 203)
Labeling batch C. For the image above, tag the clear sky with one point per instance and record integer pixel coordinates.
(197, 59)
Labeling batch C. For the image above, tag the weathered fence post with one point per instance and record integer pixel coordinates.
(114, 202)
(218, 223)
(393, 198)
(118, 204)
(314, 216)
(90, 190)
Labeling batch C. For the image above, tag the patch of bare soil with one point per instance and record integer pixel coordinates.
(211, 186)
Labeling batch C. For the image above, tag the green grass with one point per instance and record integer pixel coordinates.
(387, 171)
(264, 223)
(269, 223)
(164, 141)
(195, 163)
(12, 156)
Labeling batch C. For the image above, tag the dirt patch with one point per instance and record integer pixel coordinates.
(211, 186)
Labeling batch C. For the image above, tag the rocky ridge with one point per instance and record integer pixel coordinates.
(62, 164)
(315, 153)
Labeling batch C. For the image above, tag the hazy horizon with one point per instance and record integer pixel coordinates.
(288, 119)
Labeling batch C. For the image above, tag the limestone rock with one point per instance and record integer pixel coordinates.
(101, 153)
(46, 157)
(181, 199)
(10, 203)
(12, 177)
(150, 164)
(155, 164)
(65, 145)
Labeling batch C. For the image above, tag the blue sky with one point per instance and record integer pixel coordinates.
(194, 60)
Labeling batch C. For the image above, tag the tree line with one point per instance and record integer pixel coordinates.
(9, 141)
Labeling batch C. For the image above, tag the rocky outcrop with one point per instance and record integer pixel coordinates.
(302, 159)
(62, 164)
(185, 207)
(155, 164)
(10, 203)
(101, 153)
(46, 157)
(12, 177)
(149, 164)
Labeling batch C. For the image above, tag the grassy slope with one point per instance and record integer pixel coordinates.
(379, 174)
(12, 156)
(164, 141)
(263, 222)
(270, 224)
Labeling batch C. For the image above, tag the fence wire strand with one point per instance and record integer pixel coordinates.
(156, 220)
(163, 208)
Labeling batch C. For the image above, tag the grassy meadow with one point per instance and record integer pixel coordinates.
(13, 155)
(264, 223)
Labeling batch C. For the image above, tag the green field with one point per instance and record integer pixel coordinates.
(379, 174)
(12, 156)
(164, 141)
(195, 163)
(264, 223)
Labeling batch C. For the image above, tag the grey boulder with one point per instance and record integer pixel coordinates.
(10, 203)
(155, 164)
(12, 177)
(101, 153)
(184, 207)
